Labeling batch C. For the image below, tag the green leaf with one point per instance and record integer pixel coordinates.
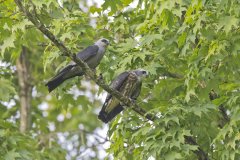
(173, 156)
(152, 68)
(11, 155)
(113, 4)
(6, 90)
(229, 86)
(126, 2)
(219, 100)
(182, 39)
(21, 25)
(49, 57)
(8, 43)
(148, 39)
(227, 22)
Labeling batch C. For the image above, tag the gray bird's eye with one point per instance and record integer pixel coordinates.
(105, 41)
(144, 72)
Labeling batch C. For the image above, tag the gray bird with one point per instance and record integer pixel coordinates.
(129, 84)
(92, 55)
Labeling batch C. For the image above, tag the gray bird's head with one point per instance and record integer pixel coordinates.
(103, 42)
(141, 73)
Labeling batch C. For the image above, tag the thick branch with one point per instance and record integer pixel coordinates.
(225, 118)
(25, 91)
(200, 153)
(83, 65)
(90, 73)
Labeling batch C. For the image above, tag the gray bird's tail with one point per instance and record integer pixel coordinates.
(54, 83)
(106, 117)
(59, 78)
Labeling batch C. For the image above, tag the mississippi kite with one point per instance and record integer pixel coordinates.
(129, 84)
(92, 55)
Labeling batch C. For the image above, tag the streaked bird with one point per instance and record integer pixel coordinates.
(92, 55)
(128, 84)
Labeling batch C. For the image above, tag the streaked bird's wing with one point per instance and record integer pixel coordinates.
(119, 80)
(88, 52)
(111, 106)
(127, 84)
(117, 83)
(137, 90)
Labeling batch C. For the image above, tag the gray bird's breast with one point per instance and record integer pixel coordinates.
(94, 61)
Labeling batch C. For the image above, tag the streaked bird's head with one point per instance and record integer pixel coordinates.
(103, 42)
(141, 73)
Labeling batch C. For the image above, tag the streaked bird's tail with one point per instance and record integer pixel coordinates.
(106, 117)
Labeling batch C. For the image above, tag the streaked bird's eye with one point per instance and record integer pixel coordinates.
(144, 72)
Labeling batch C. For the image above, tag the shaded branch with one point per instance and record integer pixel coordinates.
(92, 75)
(199, 152)
(79, 131)
(173, 75)
(225, 118)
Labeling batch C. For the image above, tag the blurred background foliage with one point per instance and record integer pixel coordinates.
(191, 49)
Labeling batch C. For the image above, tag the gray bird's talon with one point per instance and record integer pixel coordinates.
(100, 77)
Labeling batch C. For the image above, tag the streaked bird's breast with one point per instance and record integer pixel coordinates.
(130, 85)
(126, 89)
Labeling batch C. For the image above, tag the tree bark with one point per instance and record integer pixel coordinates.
(25, 90)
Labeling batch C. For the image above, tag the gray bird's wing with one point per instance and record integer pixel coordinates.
(88, 52)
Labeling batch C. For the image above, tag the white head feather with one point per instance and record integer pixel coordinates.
(141, 72)
(103, 42)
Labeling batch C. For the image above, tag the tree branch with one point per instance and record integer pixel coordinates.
(200, 153)
(225, 118)
(173, 75)
(83, 65)
(91, 74)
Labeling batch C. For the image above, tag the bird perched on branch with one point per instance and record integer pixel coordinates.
(129, 84)
(92, 55)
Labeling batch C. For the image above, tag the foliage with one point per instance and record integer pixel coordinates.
(15, 145)
(198, 40)
(190, 48)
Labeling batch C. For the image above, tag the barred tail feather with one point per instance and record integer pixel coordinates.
(106, 117)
